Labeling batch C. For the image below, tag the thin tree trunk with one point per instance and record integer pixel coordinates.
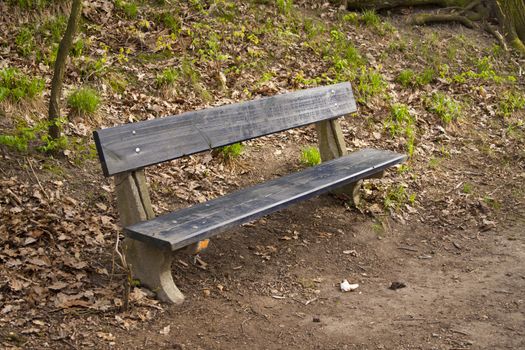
(60, 66)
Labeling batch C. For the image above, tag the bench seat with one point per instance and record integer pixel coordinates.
(189, 225)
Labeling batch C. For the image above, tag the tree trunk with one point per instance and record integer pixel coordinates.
(60, 65)
(511, 16)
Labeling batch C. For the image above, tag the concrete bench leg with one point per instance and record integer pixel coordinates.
(152, 266)
(149, 264)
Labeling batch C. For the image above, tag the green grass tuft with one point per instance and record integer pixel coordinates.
(171, 22)
(370, 18)
(25, 41)
(130, 8)
(16, 86)
(445, 107)
(168, 77)
(510, 102)
(84, 101)
(232, 151)
(401, 122)
(406, 77)
(284, 6)
(370, 83)
(310, 156)
(35, 136)
(398, 196)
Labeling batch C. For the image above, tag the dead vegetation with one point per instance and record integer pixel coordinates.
(449, 96)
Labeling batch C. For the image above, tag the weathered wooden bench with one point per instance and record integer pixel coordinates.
(126, 150)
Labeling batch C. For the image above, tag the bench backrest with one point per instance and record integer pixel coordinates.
(137, 145)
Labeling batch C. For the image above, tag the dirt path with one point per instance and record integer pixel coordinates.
(464, 290)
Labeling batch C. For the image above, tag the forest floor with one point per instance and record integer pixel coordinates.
(449, 225)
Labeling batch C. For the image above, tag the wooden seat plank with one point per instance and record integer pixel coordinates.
(137, 145)
(189, 225)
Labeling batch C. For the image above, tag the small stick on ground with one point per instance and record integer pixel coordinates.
(36, 177)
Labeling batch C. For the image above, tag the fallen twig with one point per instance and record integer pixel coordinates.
(37, 180)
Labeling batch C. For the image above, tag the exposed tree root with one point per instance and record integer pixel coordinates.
(510, 15)
(388, 4)
(431, 18)
(494, 32)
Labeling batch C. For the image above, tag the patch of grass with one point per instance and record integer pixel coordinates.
(168, 77)
(399, 117)
(406, 77)
(399, 45)
(378, 227)
(485, 71)
(117, 82)
(30, 4)
(467, 188)
(300, 79)
(36, 136)
(344, 57)
(444, 107)
(491, 202)
(351, 17)
(129, 8)
(370, 18)
(53, 28)
(25, 41)
(193, 78)
(16, 86)
(232, 151)
(91, 68)
(77, 49)
(370, 83)
(310, 156)
(401, 123)
(426, 77)
(84, 101)
(171, 22)
(398, 196)
(434, 162)
(284, 6)
(510, 102)
(313, 28)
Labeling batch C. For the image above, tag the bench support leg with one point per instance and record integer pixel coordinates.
(332, 145)
(149, 264)
(152, 266)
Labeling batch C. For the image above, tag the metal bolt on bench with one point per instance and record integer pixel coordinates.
(125, 151)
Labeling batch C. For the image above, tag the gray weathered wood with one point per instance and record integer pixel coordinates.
(331, 140)
(150, 264)
(189, 225)
(137, 145)
(332, 145)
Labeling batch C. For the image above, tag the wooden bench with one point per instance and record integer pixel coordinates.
(125, 151)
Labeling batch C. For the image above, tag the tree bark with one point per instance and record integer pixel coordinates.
(60, 65)
(511, 16)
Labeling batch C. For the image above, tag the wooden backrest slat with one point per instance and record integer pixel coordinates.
(137, 145)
